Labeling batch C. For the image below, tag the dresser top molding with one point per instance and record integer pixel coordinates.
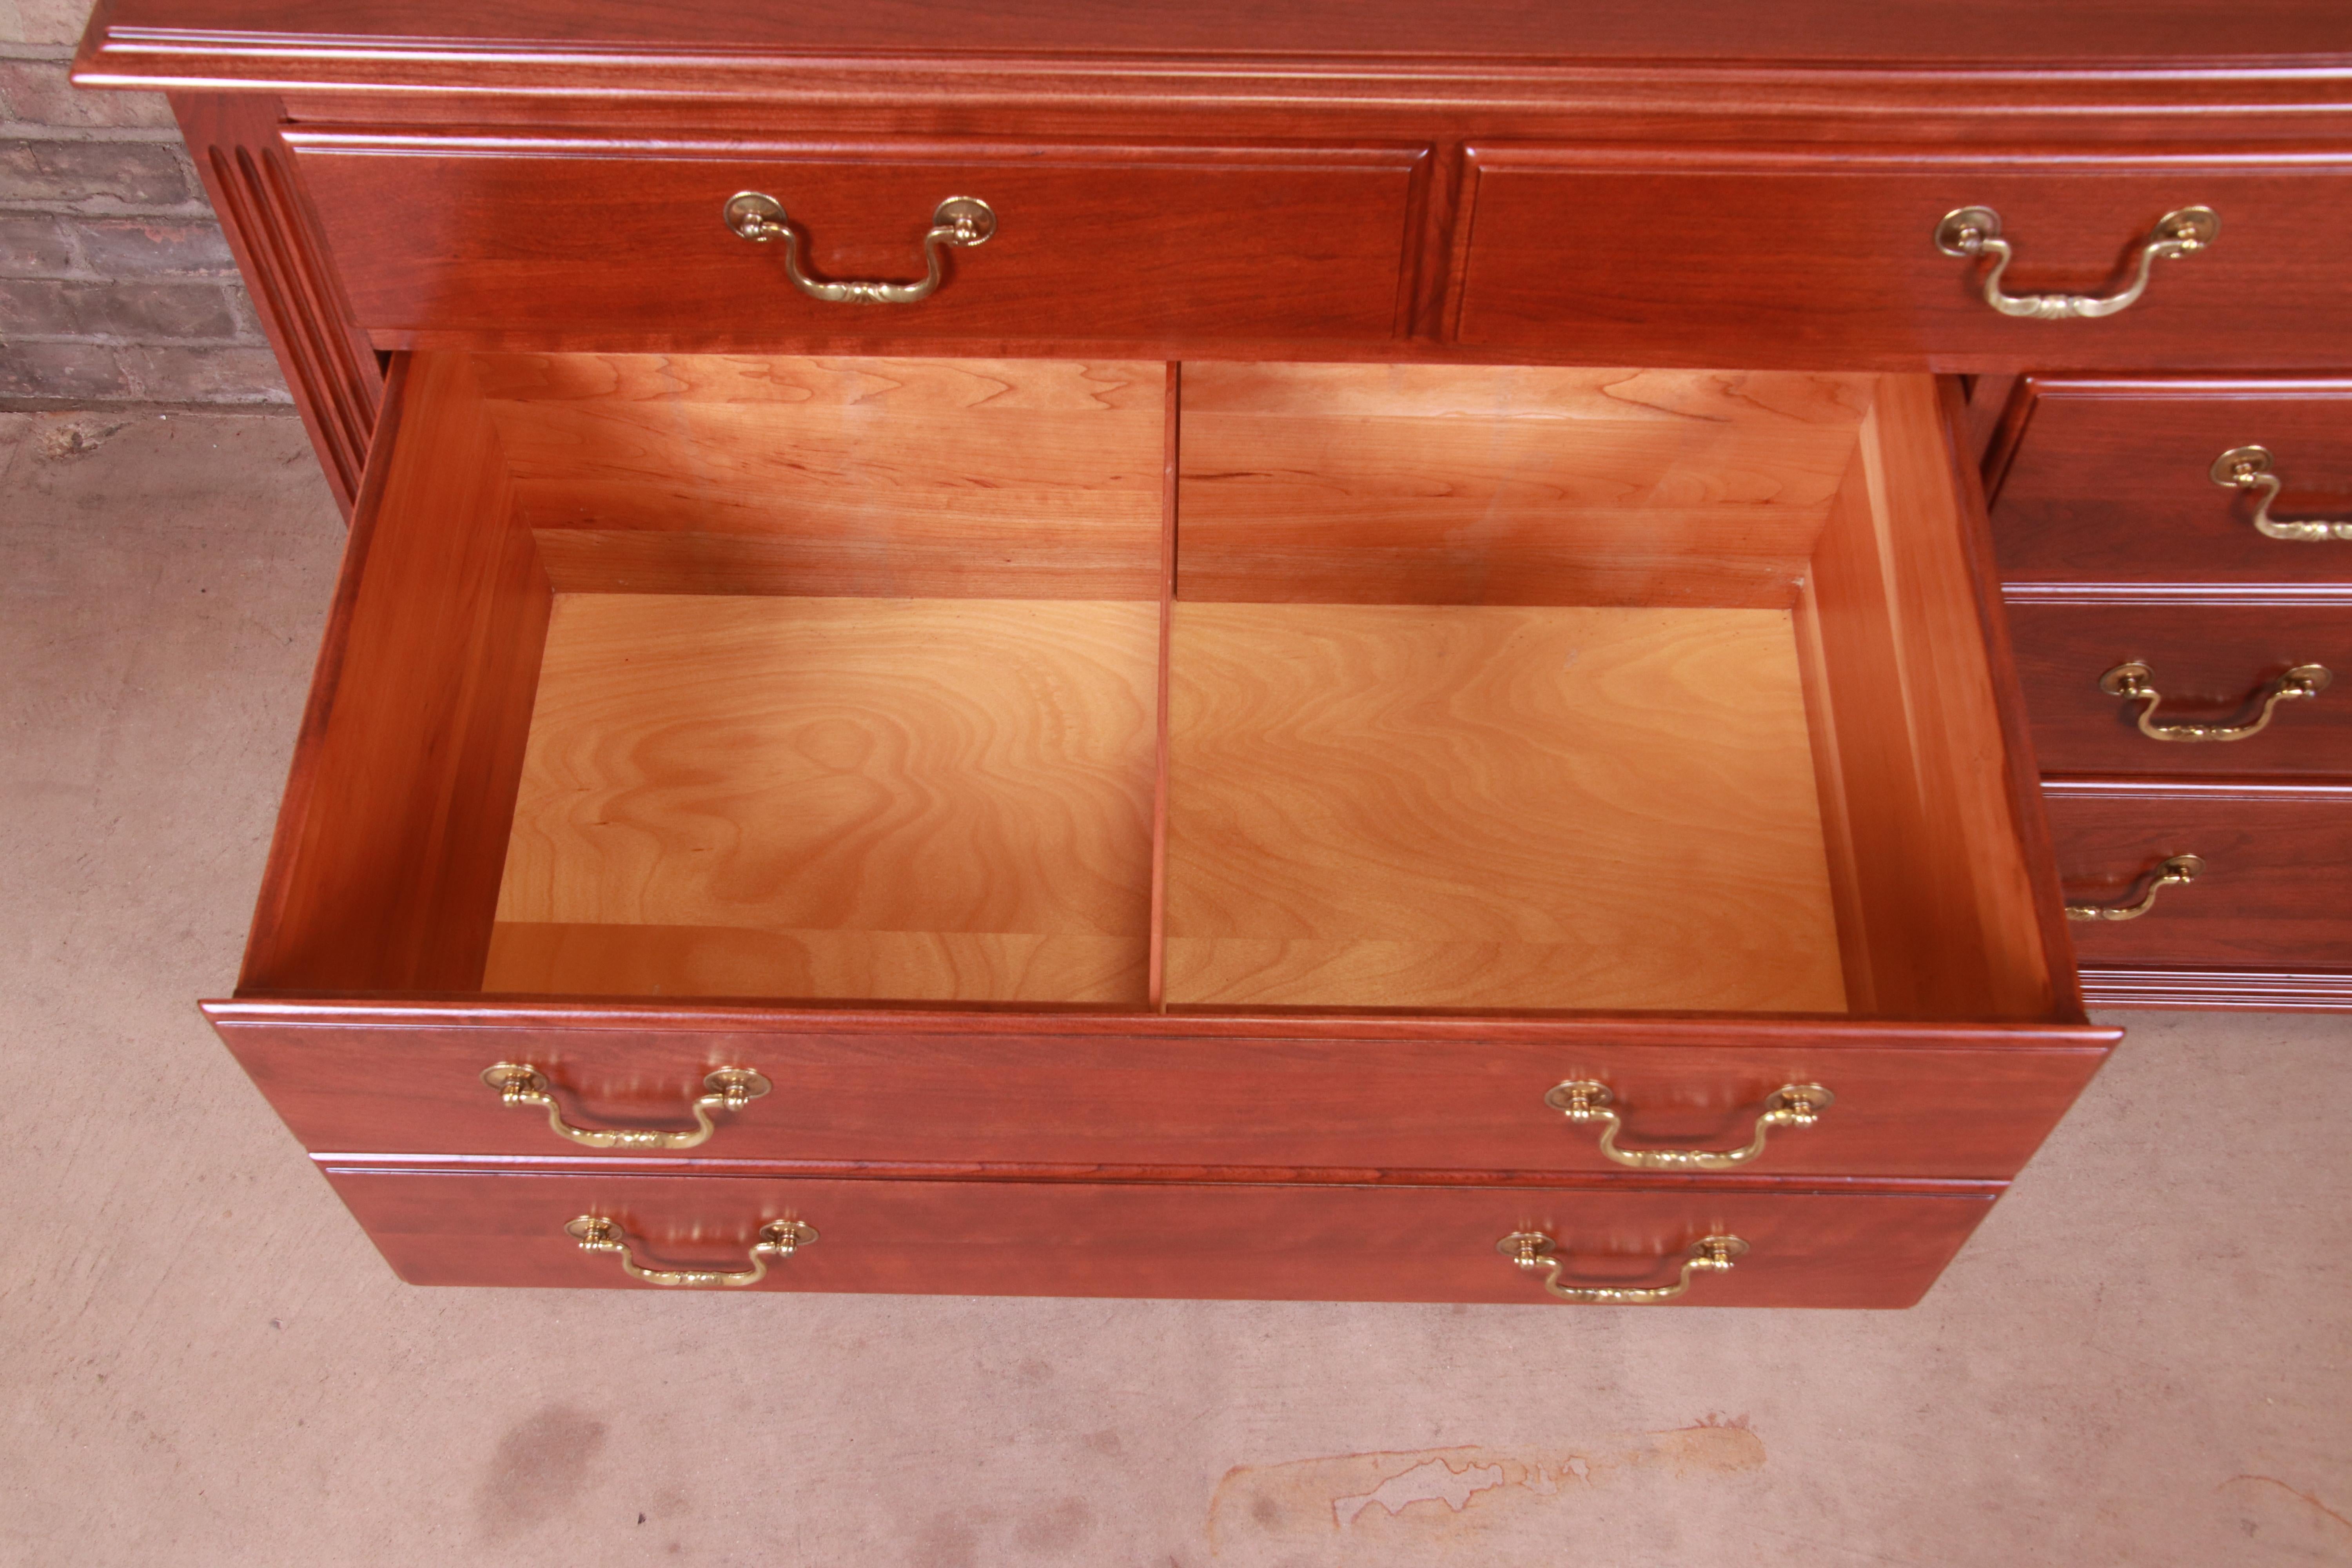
(2098, 54)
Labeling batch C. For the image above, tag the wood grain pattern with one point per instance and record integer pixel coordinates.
(1652, 257)
(385, 868)
(1428, 484)
(1398, 805)
(2110, 482)
(1190, 1241)
(1112, 1098)
(1092, 240)
(1932, 826)
(2207, 660)
(771, 474)
(2278, 859)
(969, 781)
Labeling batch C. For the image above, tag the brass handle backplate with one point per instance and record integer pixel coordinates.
(1532, 1249)
(959, 221)
(1790, 1105)
(723, 1089)
(2175, 871)
(2249, 469)
(2134, 682)
(779, 1239)
(1976, 232)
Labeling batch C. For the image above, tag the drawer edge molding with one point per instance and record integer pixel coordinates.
(2248, 990)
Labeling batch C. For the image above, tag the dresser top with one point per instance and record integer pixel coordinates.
(546, 45)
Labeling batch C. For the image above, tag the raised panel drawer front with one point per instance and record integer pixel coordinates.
(1675, 257)
(2117, 481)
(2275, 889)
(593, 239)
(2215, 669)
(1012, 1238)
(1258, 1094)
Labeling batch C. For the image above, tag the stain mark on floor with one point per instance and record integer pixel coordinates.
(540, 1468)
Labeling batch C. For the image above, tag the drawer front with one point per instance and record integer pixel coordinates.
(1332, 1244)
(1664, 257)
(600, 242)
(2210, 664)
(1108, 1094)
(2275, 891)
(2112, 482)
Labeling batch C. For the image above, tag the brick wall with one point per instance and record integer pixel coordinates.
(115, 284)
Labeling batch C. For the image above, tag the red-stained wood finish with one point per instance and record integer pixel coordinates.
(336, 384)
(2111, 483)
(1190, 1241)
(1675, 257)
(1088, 1091)
(2211, 662)
(436, 233)
(2277, 859)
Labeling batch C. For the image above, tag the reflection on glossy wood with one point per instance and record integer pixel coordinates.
(1398, 805)
(869, 476)
(1509, 486)
(969, 781)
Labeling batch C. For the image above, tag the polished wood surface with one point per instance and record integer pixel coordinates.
(1933, 840)
(923, 799)
(1112, 1098)
(1653, 256)
(332, 375)
(2277, 860)
(1468, 806)
(1097, 242)
(772, 474)
(2110, 482)
(385, 871)
(2209, 660)
(1195, 1240)
(1430, 484)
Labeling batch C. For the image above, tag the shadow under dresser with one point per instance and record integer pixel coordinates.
(1121, 675)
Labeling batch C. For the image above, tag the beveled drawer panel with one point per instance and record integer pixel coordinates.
(604, 242)
(1197, 1241)
(1669, 257)
(2111, 481)
(2210, 664)
(2274, 893)
(1264, 1094)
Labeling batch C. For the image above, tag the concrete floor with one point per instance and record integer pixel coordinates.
(2141, 1359)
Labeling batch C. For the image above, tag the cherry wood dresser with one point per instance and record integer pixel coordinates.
(1343, 650)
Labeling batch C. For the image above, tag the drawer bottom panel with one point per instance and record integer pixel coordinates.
(1151, 1240)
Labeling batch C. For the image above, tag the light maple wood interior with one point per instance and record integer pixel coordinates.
(1100, 684)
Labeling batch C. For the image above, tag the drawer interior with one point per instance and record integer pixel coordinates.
(1133, 686)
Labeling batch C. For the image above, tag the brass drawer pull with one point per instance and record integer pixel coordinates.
(2249, 469)
(2131, 682)
(2176, 872)
(1532, 1249)
(1790, 1105)
(962, 221)
(724, 1089)
(1976, 231)
(779, 1239)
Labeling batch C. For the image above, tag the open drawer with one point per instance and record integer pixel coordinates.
(688, 712)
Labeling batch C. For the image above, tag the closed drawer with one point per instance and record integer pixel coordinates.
(2113, 481)
(598, 242)
(1683, 258)
(1435, 1096)
(1258, 768)
(2211, 665)
(2275, 889)
(1295, 1243)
